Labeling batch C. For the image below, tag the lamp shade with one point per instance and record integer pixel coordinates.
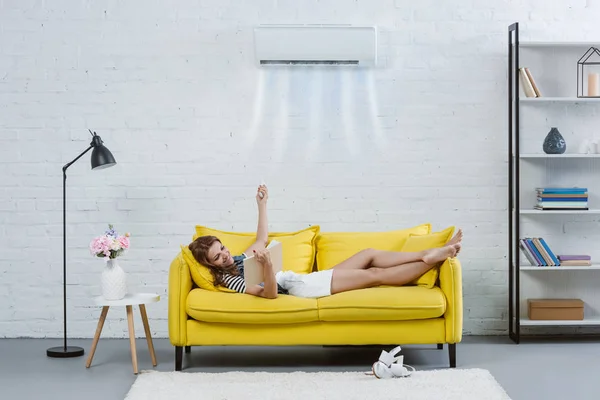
(101, 156)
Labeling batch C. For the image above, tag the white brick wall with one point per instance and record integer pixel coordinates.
(172, 89)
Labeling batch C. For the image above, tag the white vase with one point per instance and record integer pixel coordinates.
(114, 281)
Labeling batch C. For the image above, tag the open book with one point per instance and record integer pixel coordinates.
(253, 270)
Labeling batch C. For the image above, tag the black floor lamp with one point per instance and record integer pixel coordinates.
(101, 158)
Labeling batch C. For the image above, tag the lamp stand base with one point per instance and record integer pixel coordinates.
(59, 352)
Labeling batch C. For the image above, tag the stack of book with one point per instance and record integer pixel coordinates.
(575, 260)
(562, 198)
(538, 252)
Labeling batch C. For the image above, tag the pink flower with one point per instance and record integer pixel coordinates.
(123, 241)
(101, 244)
(109, 245)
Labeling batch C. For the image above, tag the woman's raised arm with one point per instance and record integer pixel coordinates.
(262, 231)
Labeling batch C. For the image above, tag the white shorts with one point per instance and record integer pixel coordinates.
(315, 284)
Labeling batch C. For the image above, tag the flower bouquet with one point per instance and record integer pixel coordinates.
(109, 246)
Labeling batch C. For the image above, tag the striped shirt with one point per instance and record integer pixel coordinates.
(237, 282)
(234, 282)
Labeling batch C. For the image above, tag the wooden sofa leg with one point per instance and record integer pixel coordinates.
(440, 346)
(452, 354)
(188, 349)
(178, 358)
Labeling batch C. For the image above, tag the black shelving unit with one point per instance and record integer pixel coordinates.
(515, 321)
(514, 328)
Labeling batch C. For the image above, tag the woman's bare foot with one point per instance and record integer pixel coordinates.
(434, 256)
(456, 239)
(457, 246)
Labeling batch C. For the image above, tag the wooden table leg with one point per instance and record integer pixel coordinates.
(148, 334)
(132, 339)
(97, 335)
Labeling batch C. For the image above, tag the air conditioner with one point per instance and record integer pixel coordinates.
(315, 45)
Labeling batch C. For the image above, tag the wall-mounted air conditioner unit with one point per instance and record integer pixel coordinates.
(315, 45)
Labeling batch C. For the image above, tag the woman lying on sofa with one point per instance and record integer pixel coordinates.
(365, 269)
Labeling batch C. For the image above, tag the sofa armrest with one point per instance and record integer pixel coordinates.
(451, 285)
(180, 285)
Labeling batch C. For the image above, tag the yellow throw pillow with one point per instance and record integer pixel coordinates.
(424, 242)
(236, 242)
(335, 247)
(200, 274)
(298, 250)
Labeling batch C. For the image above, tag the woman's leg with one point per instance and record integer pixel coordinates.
(350, 279)
(344, 280)
(372, 258)
(369, 258)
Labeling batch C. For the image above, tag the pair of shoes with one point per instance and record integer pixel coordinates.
(390, 366)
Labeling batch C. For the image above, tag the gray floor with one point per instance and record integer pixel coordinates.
(532, 370)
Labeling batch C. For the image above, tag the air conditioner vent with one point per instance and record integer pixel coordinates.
(309, 62)
(321, 45)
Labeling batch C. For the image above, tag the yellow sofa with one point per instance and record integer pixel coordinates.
(421, 313)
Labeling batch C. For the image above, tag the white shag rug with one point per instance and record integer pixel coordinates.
(447, 384)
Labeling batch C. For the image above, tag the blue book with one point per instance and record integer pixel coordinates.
(574, 199)
(550, 253)
(527, 253)
(533, 251)
(562, 190)
(536, 252)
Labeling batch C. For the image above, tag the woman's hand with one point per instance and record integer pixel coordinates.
(269, 290)
(262, 190)
(263, 256)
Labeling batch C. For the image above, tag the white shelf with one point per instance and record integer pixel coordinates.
(531, 43)
(586, 321)
(550, 212)
(560, 268)
(566, 155)
(573, 99)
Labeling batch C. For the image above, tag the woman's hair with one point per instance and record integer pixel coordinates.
(199, 249)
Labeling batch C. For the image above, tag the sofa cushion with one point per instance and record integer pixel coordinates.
(383, 304)
(335, 247)
(298, 251)
(423, 242)
(203, 305)
(298, 247)
(200, 274)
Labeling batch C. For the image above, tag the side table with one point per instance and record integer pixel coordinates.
(131, 299)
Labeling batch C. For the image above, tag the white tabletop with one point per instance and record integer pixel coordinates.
(130, 299)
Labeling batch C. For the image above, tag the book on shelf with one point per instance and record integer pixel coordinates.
(575, 260)
(533, 84)
(560, 208)
(562, 196)
(539, 254)
(569, 198)
(561, 190)
(572, 257)
(576, 263)
(528, 83)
